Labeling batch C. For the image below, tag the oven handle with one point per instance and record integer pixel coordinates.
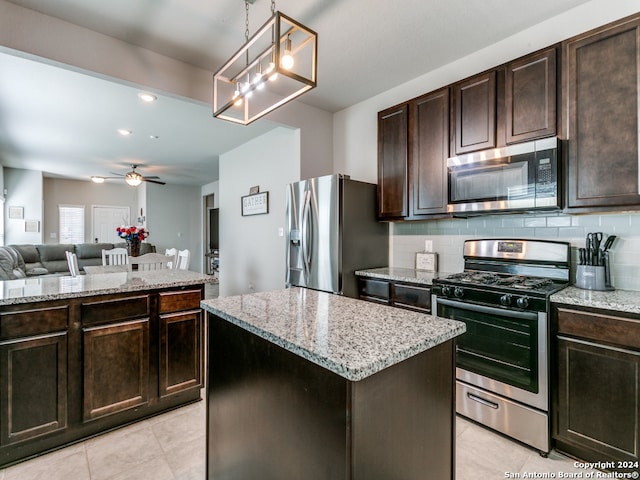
(481, 400)
(489, 310)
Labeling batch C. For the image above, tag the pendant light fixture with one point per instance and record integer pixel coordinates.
(274, 66)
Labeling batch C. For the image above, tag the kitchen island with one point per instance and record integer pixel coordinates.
(83, 355)
(305, 384)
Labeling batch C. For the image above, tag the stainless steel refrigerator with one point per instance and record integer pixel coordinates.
(332, 231)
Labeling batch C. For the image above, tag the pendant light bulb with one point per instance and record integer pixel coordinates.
(258, 81)
(237, 100)
(287, 59)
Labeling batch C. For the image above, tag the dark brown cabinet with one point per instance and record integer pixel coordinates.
(531, 97)
(33, 374)
(116, 368)
(601, 82)
(397, 294)
(474, 113)
(428, 153)
(73, 368)
(181, 337)
(393, 162)
(597, 385)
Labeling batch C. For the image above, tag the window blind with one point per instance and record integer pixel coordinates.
(71, 223)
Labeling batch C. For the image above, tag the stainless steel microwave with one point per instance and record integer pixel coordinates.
(519, 177)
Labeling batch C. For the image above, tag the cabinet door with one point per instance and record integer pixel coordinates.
(429, 127)
(602, 81)
(412, 297)
(475, 113)
(181, 352)
(33, 387)
(598, 409)
(116, 367)
(377, 291)
(530, 97)
(392, 162)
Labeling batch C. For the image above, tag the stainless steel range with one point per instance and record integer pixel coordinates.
(502, 361)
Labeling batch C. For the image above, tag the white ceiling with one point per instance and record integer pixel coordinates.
(365, 47)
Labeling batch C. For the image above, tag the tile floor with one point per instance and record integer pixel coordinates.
(171, 446)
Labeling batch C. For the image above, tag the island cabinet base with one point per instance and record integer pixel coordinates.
(273, 415)
(74, 368)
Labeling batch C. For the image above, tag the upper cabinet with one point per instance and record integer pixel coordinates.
(393, 162)
(428, 153)
(530, 97)
(509, 104)
(600, 102)
(475, 113)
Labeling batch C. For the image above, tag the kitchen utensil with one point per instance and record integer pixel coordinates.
(593, 248)
(608, 243)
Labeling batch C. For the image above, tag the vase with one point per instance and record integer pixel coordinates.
(133, 247)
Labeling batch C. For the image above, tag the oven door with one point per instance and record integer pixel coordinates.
(503, 351)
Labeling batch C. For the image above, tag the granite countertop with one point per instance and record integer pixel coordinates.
(408, 275)
(349, 337)
(47, 288)
(615, 300)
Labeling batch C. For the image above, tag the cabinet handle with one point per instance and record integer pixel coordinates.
(476, 398)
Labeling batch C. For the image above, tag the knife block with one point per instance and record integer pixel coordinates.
(592, 277)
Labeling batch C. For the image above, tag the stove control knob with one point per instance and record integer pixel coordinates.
(458, 292)
(505, 300)
(522, 302)
(446, 291)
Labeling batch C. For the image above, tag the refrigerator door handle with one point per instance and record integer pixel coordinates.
(307, 234)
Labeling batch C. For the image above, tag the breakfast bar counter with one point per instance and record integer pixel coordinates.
(306, 384)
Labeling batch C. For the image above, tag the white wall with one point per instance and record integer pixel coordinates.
(174, 217)
(24, 189)
(251, 251)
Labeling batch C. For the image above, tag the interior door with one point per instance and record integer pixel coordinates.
(104, 221)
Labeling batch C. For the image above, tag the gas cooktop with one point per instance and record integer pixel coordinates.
(505, 281)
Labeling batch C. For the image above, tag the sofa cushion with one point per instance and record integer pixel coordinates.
(53, 256)
(10, 264)
(35, 271)
(29, 257)
(92, 250)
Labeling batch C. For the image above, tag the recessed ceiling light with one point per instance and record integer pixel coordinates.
(97, 179)
(154, 137)
(124, 132)
(147, 97)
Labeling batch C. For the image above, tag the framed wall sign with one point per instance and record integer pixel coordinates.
(427, 261)
(16, 212)
(255, 204)
(32, 226)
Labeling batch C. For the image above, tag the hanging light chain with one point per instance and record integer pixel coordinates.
(273, 7)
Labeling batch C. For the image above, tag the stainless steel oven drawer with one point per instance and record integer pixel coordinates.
(513, 419)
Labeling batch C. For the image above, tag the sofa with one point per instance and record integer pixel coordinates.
(23, 261)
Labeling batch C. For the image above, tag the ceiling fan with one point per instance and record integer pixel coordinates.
(133, 178)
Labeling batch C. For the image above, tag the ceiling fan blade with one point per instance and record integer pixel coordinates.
(152, 176)
(146, 179)
(118, 174)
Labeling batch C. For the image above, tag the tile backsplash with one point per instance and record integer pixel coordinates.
(449, 235)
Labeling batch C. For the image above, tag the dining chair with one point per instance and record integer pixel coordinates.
(115, 256)
(183, 259)
(151, 261)
(72, 261)
(171, 251)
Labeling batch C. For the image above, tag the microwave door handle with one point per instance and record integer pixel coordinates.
(307, 234)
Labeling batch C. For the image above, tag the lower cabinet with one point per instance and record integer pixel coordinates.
(33, 373)
(116, 368)
(71, 369)
(597, 387)
(398, 294)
